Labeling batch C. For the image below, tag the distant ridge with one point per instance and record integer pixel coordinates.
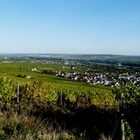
(101, 58)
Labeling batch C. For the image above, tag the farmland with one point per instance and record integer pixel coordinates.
(15, 72)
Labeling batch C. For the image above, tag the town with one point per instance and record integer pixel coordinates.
(107, 79)
(93, 74)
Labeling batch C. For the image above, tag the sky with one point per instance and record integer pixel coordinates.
(70, 26)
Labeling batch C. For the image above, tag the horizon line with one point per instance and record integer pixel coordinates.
(41, 53)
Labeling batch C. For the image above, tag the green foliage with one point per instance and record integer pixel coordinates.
(129, 96)
(128, 93)
(2, 135)
(7, 89)
(128, 131)
(7, 93)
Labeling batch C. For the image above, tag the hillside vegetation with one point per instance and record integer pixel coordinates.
(48, 107)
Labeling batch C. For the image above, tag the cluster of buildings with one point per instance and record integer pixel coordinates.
(107, 79)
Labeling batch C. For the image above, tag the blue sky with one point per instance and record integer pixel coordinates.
(70, 26)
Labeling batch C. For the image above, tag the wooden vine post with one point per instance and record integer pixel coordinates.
(18, 100)
(122, 118)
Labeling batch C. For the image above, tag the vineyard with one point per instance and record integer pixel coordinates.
(47, 101)
(48, 107)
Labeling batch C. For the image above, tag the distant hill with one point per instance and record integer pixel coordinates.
(103, 58)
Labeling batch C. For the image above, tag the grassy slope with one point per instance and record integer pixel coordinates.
(13, 69)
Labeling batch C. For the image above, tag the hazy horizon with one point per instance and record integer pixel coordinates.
(66, 54)
(70, 27)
